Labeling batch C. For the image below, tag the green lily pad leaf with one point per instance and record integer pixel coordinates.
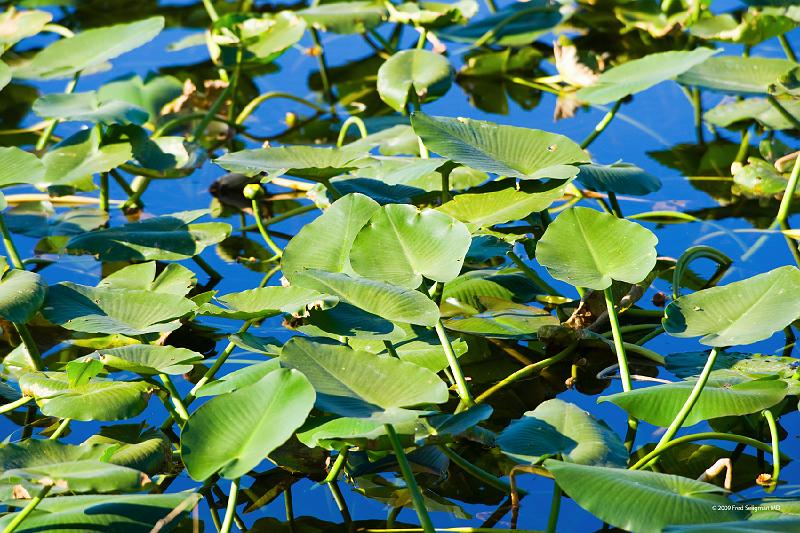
(105, 512)
(396, 304)
(637, 500)
(332, 433)
(620, 178)
(96, 400)
(736, 74)
(174, 279)
(19, 166)
(325, 243)
(17, 25)
(433, 14)
(507, 284)
(35, 222)
(344, 17)
(558, 427)
(758, 179)
(80, 371)
(346, 320)
(21, 295)
(503, 150)
(343, 376)
(231, 434)
(727, 114)
(238, 379)
(426, 73)
(149, 451)
(79, 476)
(417, 345)
(420, 173)
(89, 49)
(412, 244)
(590, 249)
(166, 238)
(755, 366)
(487, 208)
(101, 310)
(32, 453)
(264, 302)
(442, 424)
(310, 162)
(726, 395)
(88, 107)
(149, 360)
(641, 74)
(270, 35)
(151, 93)
(754, 28)
(503, 320)
(739, 313)
(517, 24)
(74, 160)
(377, 190)
(257, 344)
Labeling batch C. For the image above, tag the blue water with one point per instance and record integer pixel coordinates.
(655, 120)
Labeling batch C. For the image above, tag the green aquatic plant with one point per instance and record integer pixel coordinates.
(400, 305)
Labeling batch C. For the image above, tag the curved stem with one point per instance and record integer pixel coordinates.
(175, 397)
(696, 252)
(602, 125)
(776, 454)
(530, 369)
(341, 459)
(476, 472)
(411, 483)
(62, 427)
(455, 368)
(230, 510)
(13, 405)
(709, 435)
(680, 418)
(260, 99)
(11, 250)
(794, 121)
(27, 510)
(283, 216)
(786, 201)
(30, 346)
(787, 48)
(263, 230)
(532, 274)
(362, 129)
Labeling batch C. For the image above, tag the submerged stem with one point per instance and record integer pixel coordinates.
(411, 483)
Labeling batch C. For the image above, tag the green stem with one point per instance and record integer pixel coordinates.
(27, 510)
(787, 48)
(390, 348)
(263, 230)
(213, 110)
(11, 250)
(280, 218)
(231, 508)
(476, 472)
(411, 483)
(555, 507)
(338, 464)
(139, 185)
(287, 501)
(62, 427)
(633, 328)
(776, 454)
(260, 99)
(680, 418)
(786, 201)
(602, 125)
(341, 504)
(615, 207)
(744, 147)
(212, 509)
(212, 13)
(208, 269)
(423, 35)
(697, 105)
(445, 173)
(362, 129)
(619, 347)
(323, 68)
(44, 138)
(30, 346)
(169, 386)
(13, 405)
(491, 6)
(782, 110)
(455, 368)
(526, 371)
(532, 274)
(710, 435)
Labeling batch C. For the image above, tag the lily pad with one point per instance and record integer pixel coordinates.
(18, 166)
(344, 17)
(309, 162)
(148, 359)
(21, 295)
(263, 302)
(88, 107)
(76, 159)
(736, 74)
(428, 74)
(620, 178)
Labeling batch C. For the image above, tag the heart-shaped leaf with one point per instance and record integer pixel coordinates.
(590, 249)
(76, 159)
(401, 244)
(311, 162)
(556, 427)
(88, 107)
(344, 17)
(21, 295)
(727, 395)
(147, 450)
(148, 359)
(739, 313)
(233, 433)
(503, 150)
(640, 74)
(428, 74)
(79, 476)
(736, 74)
(151, 93)
(19, 166)
(620, 178)
(263, 302)
(517, 24)
(636, 500)
(503, 320)
(238, 378)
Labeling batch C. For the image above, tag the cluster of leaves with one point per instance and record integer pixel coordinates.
(420, 332)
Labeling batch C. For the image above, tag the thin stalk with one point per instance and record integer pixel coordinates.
(341, 504)
(5, 408)
(280, 218)
(615, 208)
(287, 502)
(62, 427)
(104, 199)
(212, 12)
(680, 418)
(212, 509)
(709, 435)
(323, 68)
(455, 368)
(555, 507)
(208, 269)
(491, 6)
(476, 472)
(633, 328)
(786, 201)
(212, 111)
(230, 510)
(390, 348)
(619, 347)
(744, 147)
(411, 483)
(776, 454)
(122, 183)
(650, 336)
(35, 358)
(260, 99)
(336, 469)
(697, 105)
(782, 110)
(423, 35)
(175, 397)
(787, 48)
(27, 510)
(362, 129)
(532, 274)
(526, 371)
(263, 230)
(11, 250)
(445, 184)
(139, 185)
(602, 125)
(44, 138)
